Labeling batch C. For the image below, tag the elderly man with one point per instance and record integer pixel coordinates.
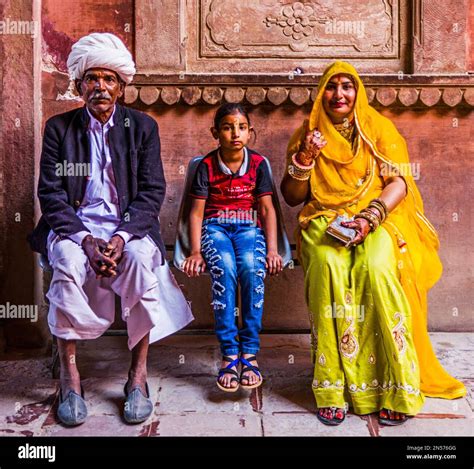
(101, 188)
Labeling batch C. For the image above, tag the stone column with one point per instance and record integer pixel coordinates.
(20, 45)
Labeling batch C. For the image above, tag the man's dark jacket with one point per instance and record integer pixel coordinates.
(135, 152)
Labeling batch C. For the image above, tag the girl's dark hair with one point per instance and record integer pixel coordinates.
(229, 108)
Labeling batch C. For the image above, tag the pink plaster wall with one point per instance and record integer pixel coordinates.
(439, 138)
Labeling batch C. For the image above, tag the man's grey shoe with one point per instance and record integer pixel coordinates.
(72, 410)
(137, 406)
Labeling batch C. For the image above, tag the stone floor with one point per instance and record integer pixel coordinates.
(187, 402)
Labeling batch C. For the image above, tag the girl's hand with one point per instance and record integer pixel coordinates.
(274, 263)
(361, 225)
(194, 265)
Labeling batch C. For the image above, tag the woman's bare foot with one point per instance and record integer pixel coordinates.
(391, 417)
(331, 415)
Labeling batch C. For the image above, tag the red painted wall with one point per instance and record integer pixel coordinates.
(439, 139)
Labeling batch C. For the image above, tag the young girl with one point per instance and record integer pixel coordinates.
(233, 230)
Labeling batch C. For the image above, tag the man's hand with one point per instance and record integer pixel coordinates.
(114, 250)
(101, 263)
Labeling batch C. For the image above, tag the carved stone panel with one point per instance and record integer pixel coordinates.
(316, 28)
(271, 36)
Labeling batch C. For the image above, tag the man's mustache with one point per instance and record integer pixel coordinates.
(101, 96)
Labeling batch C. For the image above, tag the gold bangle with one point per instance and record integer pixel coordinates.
(373, 220)
(376, 211)
(298, 171)
(382, 203)
(301, 166)
(380, 208)
(297, 174)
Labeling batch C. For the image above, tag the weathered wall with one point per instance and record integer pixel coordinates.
(17, 162)
(189, 60)
(437, 141)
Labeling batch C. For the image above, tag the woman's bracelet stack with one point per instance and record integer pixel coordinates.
(375, 213)
(298, 171)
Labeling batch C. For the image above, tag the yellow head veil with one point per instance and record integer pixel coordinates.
(419, 263)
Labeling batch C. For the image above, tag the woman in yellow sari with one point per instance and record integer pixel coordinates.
(366, 298)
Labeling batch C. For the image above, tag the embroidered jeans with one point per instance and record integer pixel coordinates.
(235, 252)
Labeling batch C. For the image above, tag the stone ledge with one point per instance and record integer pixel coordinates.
(447, 95)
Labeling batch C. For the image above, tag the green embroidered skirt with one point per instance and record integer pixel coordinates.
(362, 345)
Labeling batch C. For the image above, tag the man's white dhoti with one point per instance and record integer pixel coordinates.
(83, 307)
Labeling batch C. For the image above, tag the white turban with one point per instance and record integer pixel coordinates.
(101, 50)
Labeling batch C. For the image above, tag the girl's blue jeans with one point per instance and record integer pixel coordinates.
(235, 252)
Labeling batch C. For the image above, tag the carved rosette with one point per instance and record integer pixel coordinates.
(297, 21)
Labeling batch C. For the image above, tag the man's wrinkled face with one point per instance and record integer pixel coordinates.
(100, 88)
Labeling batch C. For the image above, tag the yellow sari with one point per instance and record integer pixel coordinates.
(344, 181)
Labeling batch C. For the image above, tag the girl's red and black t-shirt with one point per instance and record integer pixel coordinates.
(232, 195)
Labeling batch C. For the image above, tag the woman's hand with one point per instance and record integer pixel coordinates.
(274, 263)
(311, 146)
(194, 265)
(361, 225)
